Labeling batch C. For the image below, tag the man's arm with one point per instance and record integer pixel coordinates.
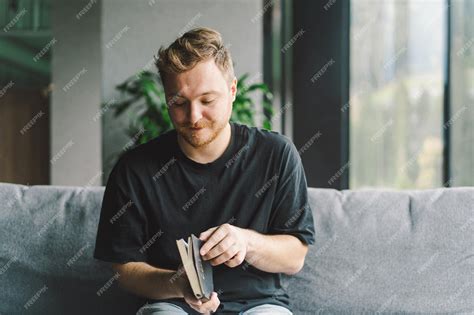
(275, 253)
(147, 281)
(232, 245)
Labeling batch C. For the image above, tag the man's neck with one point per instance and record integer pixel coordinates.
(209, 152)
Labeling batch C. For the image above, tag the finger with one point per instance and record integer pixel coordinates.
(197, 304)
(206, 307)
(215, 238)
(205, 235)
(236, 260)
(212, 304)
(193, 301)
(225, 256)
(198, 309)
(223, 246)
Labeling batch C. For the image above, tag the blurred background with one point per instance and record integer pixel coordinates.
(372, 93)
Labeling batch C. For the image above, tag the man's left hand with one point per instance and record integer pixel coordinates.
(224, 244)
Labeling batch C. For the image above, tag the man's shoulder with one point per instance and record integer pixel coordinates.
(275, 144)
(154, 149)
(265, 138)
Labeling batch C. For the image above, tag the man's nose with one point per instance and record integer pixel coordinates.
(195, 113)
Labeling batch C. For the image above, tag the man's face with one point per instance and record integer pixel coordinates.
(199, 102)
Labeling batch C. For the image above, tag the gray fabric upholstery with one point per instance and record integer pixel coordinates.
(385, 251)
(47, 238)
(388, 252)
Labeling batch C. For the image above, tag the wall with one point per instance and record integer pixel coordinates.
(75, 154)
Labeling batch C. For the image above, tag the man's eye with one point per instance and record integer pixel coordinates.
(176, 104)
(208, 101)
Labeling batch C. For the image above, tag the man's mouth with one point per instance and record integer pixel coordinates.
(196, 128)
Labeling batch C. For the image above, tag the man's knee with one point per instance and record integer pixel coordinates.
(161, 308)
(267, 309)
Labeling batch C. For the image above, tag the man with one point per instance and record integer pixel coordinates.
(241, 189)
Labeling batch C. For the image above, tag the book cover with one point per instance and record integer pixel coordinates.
(203, 267)
(198, 271)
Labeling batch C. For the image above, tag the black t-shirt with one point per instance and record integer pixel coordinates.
(155, 195)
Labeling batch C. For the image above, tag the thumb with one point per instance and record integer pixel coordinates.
(217, 302)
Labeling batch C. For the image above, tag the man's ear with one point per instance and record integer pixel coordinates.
(233, 88)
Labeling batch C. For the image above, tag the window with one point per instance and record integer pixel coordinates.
(398, 60)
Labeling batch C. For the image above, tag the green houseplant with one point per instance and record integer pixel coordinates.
(144, 92)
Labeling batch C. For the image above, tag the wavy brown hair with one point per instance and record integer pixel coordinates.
(194, 46)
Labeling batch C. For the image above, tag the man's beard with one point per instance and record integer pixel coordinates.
(197, 138)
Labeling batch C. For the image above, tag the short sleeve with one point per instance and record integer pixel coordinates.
(121, 231)
(291, 212)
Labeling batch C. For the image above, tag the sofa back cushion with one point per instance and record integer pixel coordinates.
(388, 251)
(375, 250)
(47, 238)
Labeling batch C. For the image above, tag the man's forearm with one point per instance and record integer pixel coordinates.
(275, 253)
(147, 281)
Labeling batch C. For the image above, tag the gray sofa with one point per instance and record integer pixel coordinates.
(376, 251)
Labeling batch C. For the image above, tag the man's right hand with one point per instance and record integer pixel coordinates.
(193, 302)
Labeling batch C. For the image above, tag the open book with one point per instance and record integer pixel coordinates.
(198, 271)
